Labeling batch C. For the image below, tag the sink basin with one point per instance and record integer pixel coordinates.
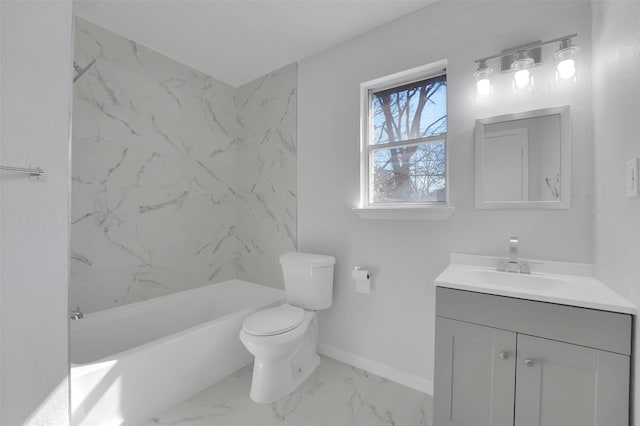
(523, 281)
(563, 283)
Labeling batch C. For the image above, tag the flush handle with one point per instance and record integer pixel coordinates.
(503, 355)
(529, 362)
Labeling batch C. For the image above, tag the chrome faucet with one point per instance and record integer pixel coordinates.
(76, 314)
(513, 264)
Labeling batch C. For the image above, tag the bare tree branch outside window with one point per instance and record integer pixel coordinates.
(414, 170)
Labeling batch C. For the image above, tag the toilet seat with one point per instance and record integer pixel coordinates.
(272, 321)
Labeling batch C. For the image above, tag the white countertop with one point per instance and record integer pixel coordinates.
(560, 282)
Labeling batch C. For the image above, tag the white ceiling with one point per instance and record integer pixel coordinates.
(238, 41)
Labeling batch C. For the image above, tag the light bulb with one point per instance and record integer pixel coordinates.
(483, 86)
(521, 65)
(566, 69)
(483, 79)
(566, 61)
(521, 79)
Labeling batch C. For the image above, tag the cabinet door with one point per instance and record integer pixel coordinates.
(560, 384)
(474, 375)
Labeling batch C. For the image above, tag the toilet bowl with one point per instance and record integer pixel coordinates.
(283, 339)
(283, 342)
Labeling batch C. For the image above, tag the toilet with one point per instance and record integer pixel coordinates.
(283, 339)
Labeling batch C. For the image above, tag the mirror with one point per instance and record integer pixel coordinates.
(523, 160)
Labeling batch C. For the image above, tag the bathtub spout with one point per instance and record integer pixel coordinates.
(76, 314)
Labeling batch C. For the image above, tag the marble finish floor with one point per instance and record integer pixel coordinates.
(336, 394)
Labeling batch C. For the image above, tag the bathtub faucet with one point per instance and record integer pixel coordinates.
(76, 314)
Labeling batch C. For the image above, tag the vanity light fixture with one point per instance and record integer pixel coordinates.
(520, 60)
(483, 79)
(566, 60)
(522, 80)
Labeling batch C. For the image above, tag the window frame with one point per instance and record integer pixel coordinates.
(438, 209)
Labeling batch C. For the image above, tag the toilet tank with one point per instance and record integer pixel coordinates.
(308, 279)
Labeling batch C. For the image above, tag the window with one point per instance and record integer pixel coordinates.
(404, 140)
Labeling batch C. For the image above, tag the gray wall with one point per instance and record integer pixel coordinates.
(616, 108)
(394, 326)
(35, 105)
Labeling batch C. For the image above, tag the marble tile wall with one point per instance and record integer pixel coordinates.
(267, 175)
(178, 179)
(153, 174)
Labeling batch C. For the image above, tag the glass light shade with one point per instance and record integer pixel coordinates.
(566, 69)
(566, 61)
(522, 76)
(484, 87)
(522, 79)
(483, 80)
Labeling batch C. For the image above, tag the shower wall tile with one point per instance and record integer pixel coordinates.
(153, 174)
(267, 175)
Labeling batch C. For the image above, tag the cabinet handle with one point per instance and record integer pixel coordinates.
(528, 362)
(504, 355)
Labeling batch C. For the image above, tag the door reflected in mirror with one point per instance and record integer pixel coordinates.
(522, 160)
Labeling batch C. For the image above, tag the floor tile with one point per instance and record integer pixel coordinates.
(336, 394)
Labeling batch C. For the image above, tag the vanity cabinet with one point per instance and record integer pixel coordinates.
(502, 361)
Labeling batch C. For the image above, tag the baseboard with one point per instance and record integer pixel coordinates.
(409, 380)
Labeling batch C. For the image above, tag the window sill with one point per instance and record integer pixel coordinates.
(406, 213)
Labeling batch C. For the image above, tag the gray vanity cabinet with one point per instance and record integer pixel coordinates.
(480, 366)
(501, 361)
(569, 385)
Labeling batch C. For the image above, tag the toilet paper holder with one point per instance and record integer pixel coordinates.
(356, 272)
(362, 280)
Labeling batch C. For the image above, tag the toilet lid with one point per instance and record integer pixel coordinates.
(268, 322)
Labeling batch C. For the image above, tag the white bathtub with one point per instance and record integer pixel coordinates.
(133, 362)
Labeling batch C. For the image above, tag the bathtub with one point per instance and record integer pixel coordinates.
(133, 362)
